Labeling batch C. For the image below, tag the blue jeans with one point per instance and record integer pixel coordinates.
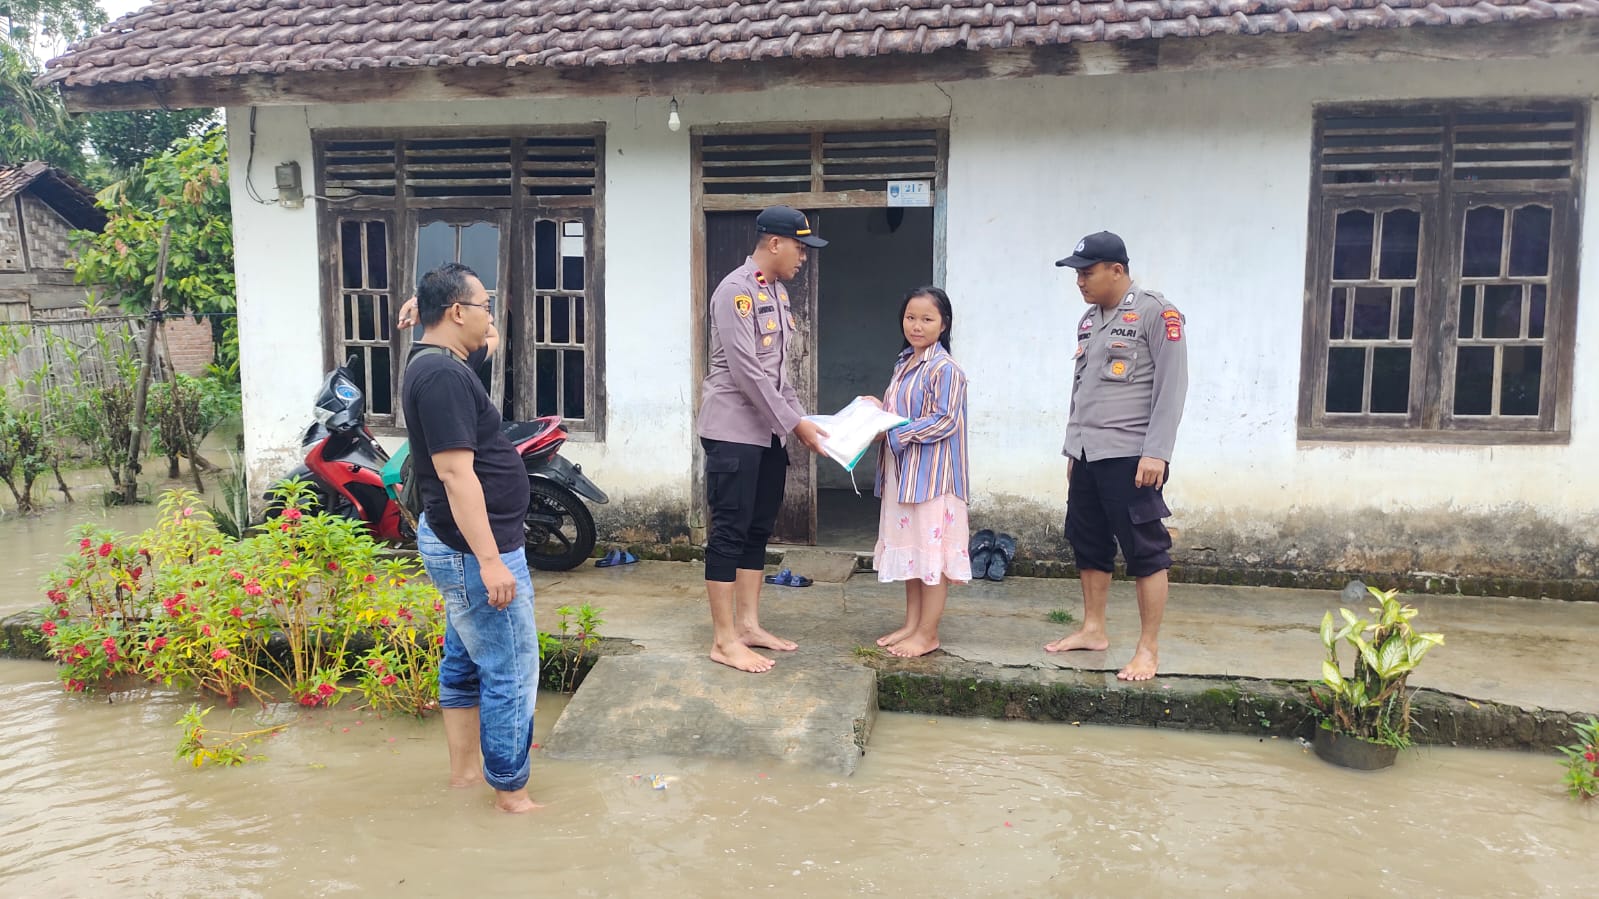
(491, 656)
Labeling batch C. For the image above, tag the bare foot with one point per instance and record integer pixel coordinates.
(1142, 667)
(760, 638)
(462, 781)
(737, 655)
(889, 639)
(914, 646)
(1093, 642)
(516, 802)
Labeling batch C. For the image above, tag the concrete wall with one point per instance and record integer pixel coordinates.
(1206, 175)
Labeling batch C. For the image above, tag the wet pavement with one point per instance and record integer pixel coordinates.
(1528, 653)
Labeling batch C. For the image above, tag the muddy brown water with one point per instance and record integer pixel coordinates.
(344, 802)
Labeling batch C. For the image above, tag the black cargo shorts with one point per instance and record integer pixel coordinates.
(1104, 510)
(743, 493)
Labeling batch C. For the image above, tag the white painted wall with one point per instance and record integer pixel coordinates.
(275, 257)
(1206, 176)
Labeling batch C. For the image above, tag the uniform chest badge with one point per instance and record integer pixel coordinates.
(1086, 325)
(760, 295)
(1079, 353)
(791, 322)
(1129, 316)
(743, 304)
(771, 324)
(1127, 301)
(767, 340)
(1118, 368)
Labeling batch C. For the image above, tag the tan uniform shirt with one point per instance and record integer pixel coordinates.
(1131, 380)
(748, 396)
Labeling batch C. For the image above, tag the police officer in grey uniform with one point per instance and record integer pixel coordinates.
(1127, 398)
(747, 410)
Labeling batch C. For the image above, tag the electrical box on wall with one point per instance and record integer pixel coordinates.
(290, 194)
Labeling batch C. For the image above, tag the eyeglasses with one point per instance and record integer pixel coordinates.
(486, 306)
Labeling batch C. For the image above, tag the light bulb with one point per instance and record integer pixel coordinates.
(673, 122)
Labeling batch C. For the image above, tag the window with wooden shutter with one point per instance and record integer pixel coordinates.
(1441, 286)
(522, 209)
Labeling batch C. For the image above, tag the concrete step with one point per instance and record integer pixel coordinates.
(807, 711)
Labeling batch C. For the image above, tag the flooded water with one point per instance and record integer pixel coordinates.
(93, 803)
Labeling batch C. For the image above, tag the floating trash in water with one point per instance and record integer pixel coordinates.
(656, 781)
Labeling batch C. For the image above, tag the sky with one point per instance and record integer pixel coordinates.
(115, 8)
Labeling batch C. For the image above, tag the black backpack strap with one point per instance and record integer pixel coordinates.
(427, 350)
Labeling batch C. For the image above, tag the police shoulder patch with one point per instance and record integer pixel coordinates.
(743, 304)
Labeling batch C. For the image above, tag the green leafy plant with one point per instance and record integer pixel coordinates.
(1060, 616)
(1582, 761)
(274, 613)
(1373, 704)
(563, 654)
(185, 187)
(201, 746)
(183, 411)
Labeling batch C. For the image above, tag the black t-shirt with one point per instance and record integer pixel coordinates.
(447, 408)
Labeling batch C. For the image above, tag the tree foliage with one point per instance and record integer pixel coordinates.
(48, 24)
(185, 187)
(124, 140)
(33, 123)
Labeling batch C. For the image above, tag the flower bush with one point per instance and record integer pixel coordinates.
(277, 613)
(1582, 761)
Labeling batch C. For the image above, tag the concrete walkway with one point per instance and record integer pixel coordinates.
(1527, 653)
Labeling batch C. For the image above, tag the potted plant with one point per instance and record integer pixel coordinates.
(1365, 719)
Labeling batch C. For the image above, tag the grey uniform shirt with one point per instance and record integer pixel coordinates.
(1131, 380)
(748, 396)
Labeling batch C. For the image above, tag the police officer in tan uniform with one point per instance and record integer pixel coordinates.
(747, 410)
(1127, 399)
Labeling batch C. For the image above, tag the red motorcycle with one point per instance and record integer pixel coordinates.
(345, 466)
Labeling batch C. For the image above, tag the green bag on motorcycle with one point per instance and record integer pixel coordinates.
(399, 479)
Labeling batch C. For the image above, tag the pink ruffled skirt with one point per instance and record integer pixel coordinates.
(921, 541)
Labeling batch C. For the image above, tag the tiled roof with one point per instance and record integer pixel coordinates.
(60, 191)
(183, 39)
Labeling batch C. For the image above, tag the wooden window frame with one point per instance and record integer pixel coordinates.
(1443, 205)
(403, 214)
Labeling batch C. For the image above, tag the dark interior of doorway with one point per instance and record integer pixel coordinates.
(873, 258)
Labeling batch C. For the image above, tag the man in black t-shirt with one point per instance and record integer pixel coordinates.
(474, 499)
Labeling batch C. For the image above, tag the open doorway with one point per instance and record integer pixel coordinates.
(874, 255)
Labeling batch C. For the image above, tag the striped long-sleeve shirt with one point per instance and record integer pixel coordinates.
(930, 451)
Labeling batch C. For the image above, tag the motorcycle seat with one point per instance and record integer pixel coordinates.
(519, 432)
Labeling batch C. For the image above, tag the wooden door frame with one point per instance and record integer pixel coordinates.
(702, 204)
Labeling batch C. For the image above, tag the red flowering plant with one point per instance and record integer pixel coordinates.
(406, 621)
(1582, 761)
(273, 613)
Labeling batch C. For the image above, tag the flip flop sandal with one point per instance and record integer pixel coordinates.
(627, 558)
(781, 579)
(999, 561)
(980, 550)
(799, 580)
(614, 557)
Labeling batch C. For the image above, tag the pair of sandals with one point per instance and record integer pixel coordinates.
(991, 554)
(616, 557)
(786, 578)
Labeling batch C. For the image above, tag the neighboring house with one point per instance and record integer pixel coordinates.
(1371, 214)
(40, 206)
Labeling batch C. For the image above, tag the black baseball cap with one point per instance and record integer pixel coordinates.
(786, 221)
(1101, 246)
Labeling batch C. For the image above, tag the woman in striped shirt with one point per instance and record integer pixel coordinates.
(921, 475)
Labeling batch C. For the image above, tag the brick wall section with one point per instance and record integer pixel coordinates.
(189, 342)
